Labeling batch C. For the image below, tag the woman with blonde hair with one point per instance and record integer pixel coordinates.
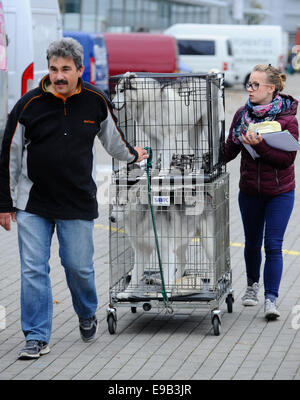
(267, 182)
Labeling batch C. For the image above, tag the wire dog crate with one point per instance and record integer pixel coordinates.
(177, 115)
(169, 226)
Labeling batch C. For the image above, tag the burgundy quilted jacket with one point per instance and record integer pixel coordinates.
(273, 172)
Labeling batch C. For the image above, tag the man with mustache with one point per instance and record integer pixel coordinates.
(47, 182)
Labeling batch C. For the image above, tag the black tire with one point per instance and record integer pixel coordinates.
(246, 80)
(229, 302)
(216, 325)
(112, 324)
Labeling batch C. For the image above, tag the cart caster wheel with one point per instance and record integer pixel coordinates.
(229, 302)
(133, 310)
(112, 324)
(216, 325)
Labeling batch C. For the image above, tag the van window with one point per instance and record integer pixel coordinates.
(229, 47)
(196, 47)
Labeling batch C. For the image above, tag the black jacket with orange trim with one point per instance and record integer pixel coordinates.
(47, 164)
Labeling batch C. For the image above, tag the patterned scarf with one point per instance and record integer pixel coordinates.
(259, 113)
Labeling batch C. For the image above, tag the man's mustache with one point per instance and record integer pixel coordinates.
(61, 82)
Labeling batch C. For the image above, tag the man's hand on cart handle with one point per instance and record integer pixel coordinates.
(142, 153)
(5, 219)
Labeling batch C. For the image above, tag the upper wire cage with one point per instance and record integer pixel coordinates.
(180, 116)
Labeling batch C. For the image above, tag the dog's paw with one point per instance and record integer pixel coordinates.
(168, 291)
(129, 292)
(152, 279)
(129, 74)
(123, 296)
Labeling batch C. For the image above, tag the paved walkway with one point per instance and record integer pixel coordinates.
(154, 346)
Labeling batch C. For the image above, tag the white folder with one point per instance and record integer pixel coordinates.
(282, 140)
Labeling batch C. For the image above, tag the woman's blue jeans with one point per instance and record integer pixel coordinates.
(76, 252)
(268, 216)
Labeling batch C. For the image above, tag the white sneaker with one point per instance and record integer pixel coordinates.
(271, 311)
(250, 297)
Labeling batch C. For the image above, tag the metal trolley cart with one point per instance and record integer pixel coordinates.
(169, 229)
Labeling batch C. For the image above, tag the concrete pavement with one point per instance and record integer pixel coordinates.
(156, 346)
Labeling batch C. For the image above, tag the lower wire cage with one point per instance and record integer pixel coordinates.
(173, 252)
(180, 116)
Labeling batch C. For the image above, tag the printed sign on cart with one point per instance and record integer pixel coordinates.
(161, 200)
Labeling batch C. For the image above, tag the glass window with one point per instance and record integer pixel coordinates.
(103, 6)
(196, 47)
(117, 5)
(72, 6)
(229, 48)
(130, 5)
(89, 7)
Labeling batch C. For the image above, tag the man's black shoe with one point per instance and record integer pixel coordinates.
(33, 349)
(88, 328)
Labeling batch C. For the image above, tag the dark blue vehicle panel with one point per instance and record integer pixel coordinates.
(101, 60)
(88, 50)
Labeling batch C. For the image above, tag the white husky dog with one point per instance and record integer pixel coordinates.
(168, 115)
(176, 225)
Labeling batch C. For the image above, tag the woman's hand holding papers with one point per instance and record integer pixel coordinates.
(251, 138)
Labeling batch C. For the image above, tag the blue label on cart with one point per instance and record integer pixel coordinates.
(161, 200)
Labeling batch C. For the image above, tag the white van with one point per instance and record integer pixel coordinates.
(31, 25)
(252, 44)
(3, 76)
(205, 52)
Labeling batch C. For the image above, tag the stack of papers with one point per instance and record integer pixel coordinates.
(265, 127)
(278, 139)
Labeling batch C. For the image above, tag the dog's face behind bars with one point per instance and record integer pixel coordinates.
(128, 199)
(133, 92)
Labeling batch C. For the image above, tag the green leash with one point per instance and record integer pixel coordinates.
(163, 291)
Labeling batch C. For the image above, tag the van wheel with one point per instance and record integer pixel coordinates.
(246, 80)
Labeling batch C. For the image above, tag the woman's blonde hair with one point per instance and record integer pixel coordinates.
(274, 76)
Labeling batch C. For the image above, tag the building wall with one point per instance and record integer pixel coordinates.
(272, 12)
(134, 15)
(269, 12)
(286, 14)
(156, 15)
